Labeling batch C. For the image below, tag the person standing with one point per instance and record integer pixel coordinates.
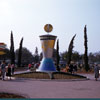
(29, 66)
(96, 71)
(8, 74)
(3, 70)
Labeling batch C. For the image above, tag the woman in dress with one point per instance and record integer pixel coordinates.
(96, 71)
(8, 74)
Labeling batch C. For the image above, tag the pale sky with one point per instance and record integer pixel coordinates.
(26, 18)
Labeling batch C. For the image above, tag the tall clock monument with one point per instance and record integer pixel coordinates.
(47, 42)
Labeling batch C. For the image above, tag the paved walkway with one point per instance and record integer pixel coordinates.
(32, 88)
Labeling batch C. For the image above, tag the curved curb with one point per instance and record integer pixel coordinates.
(81, 79)
(31, 79)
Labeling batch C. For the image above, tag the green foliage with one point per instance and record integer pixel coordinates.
(54, 55)
(27, 56)
(12, 53)
(41, 56)
(70, 49)
(36, 56)
(75, 56)
(64, 56)
(58, 57)
(94, 57)
(20, 53)
(86, 50)
(36, 51)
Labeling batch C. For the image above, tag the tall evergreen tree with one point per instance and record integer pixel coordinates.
(58, 57)
(20, 53)
(36, 55)
(70, 49)
(12, 53)
(86, 50)
(36, 51)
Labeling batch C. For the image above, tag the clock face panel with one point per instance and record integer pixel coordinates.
(48, 28)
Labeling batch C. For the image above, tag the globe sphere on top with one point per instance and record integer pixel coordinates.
(48, 28)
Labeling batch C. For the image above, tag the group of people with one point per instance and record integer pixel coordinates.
(72, 68)
(33, 65)
(6, 70)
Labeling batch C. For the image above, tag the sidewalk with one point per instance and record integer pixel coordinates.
(19, 72)
(89, 76)
(31, 88)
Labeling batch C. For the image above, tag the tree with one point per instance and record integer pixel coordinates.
(36, 51)
(97, 56)
(64, 56)
(26, 57)
(36, 56)
(41, 56)
(58, 57)
(54, 55)
(86, 50)
(92, 57)
(75, 56)
(12, 53)
(70, 49)
(20, 53)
